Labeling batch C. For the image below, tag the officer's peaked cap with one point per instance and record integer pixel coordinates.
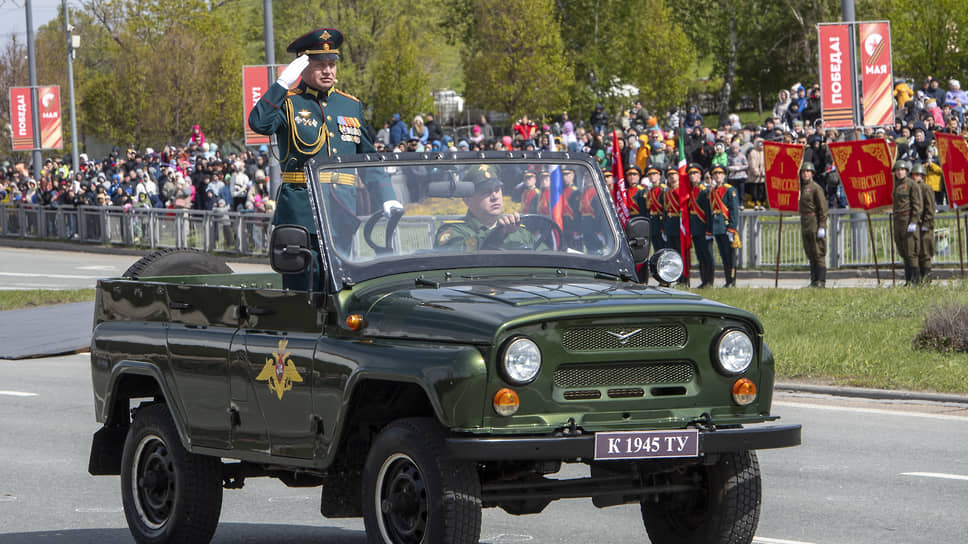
(320, 44)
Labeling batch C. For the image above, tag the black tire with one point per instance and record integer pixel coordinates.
(169, 494)
(413, 493)
(177, 262)
(725, 511)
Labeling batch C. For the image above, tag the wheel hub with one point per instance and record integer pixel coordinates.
(404, 502)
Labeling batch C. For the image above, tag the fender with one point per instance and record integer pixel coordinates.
(168, 391)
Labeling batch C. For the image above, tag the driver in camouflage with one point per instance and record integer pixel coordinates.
(485, 219)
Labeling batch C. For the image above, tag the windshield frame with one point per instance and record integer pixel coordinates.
(342, 272)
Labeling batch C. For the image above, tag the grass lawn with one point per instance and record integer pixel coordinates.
(12, 300)
(855, 336)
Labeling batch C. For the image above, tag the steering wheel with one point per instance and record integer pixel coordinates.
(543, 227)
(395, 216)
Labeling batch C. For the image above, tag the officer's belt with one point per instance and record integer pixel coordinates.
(335, 177)
(672, 215)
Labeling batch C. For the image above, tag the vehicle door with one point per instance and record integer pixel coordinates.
(280, 334)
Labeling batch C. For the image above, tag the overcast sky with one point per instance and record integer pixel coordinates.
(13, 17)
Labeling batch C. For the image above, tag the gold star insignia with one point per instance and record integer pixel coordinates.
(304, 114)
(279, 371)
(325, 35)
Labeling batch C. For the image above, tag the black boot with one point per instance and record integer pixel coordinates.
(813, 276)
(915, 275)
(907, 274)
(821, 276)
(926, 274)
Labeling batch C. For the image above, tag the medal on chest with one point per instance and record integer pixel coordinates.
(349, 129)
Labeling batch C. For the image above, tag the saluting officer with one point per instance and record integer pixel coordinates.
(926, 242)
(907, 212)
(698, 225)
(724, 208)
(813, 224)
(314, 119)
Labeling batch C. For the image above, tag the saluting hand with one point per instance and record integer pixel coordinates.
(292, 72)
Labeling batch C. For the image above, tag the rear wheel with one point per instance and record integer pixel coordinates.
(169, 494)
(177, 262)
(724, 510)
(413, 493)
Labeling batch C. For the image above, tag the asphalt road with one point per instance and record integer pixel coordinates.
(867, 473)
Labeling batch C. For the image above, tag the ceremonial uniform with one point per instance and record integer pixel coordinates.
(310, 122)
(908, 207)
(654, 212)
(813, 219)
(724, 208)
(699, 227)
(670, 219)
(926, 224)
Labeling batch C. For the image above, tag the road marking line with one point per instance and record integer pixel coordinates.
(877, 411)
(764, 540)
(936, 475)
(18, 394)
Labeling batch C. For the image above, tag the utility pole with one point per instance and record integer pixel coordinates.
(75, 161)
(273, 175)
(35, 109)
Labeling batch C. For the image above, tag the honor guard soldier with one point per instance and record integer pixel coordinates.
(485, 215)
(314, 119)
(671, 214)
(698, 225)
(926, 242)
(633, 183)
(529, 197)
(655, 213)
(724, 208)
(813, 224)
(908, 207)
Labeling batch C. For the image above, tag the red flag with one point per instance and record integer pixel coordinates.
(684, 193)
(782, 163)
(953, 153)
(865, 172)
(620, 195)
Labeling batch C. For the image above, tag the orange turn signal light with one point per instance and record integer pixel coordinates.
(506, 402)
(354, 321)
(744, 391)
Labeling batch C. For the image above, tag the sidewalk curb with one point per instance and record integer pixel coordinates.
(874, 394)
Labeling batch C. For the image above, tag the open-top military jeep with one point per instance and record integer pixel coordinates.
(438, 364)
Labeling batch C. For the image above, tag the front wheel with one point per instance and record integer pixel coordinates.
(169, 494)
(413, 493)
(725, 508)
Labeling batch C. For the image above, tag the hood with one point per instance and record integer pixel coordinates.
(474, 311)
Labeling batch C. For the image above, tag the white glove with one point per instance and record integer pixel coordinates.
(912, 227)
(821, 233)
(391, 205)
(664, 237)
(709, 237)
(730, 235)
(925, 229)
(293, 71)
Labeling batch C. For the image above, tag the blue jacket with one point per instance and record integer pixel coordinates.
(398, 132)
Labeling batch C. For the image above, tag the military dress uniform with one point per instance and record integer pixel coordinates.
(654, 212)
(926, 224)
(813, 217)
(724, 208)
(908, 207)
(311, 123)
(671, 214)
(698, 227)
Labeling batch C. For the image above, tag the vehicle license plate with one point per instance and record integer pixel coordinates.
(647, 444)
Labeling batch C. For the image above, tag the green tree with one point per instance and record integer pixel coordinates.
(13, 73)
(515, 62)
(400, 82)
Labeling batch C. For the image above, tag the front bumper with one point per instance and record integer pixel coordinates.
(507, 448)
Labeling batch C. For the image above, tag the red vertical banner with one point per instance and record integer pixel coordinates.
(620, 195)
(865, 171)
(782, 162)
(255, 82)
(877, 75)
(21, 122)
(953, 152)
(51, 122)
(836, 75)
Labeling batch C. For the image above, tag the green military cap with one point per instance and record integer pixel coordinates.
(807, 165)
(320, 44)
(484, 177)
(919, 169)
(901, 164)
(717, 168)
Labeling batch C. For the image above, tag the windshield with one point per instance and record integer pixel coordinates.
(487, 212)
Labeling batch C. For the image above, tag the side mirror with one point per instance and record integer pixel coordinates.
(637, 232)
(289, 249)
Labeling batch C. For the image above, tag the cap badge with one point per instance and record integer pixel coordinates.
(325, 35)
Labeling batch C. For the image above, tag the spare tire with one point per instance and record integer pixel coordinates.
(177, 262)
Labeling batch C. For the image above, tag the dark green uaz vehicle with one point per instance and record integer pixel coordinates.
(446, 359)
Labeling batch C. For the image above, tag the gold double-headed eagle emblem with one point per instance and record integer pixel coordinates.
(279, 371)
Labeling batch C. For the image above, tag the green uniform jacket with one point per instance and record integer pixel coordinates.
(730, 199)
(468, 234)
(907, 210)
(310, 123)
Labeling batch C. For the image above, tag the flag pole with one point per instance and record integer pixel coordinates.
(779, 244)
(961, 259)
(870, 233)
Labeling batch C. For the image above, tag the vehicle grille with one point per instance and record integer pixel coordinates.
(671, 335)
(578, 376)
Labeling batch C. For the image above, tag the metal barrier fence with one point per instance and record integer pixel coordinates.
(848, 244)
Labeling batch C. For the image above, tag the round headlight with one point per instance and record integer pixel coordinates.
(734, 351)
(521, 361)
(666, 266)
